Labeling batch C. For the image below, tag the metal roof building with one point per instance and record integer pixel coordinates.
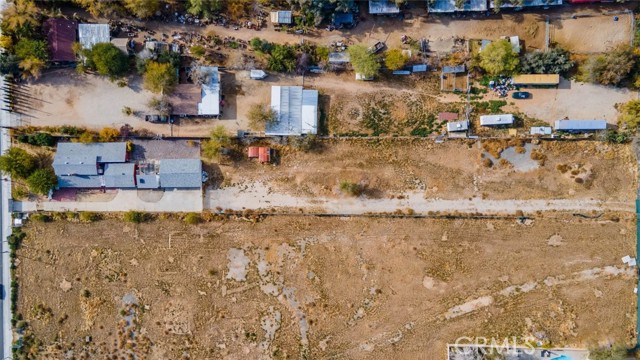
(496, 120)
(281, 17)
(580, 125)
(210, 103)
(297, 111)
(526, 3)
(454, 69)
(383, 7)
(449, 6)
(61, 34)
(91, 34)
(180, 173)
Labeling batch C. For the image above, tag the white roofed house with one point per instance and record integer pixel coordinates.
(496, 120)
(581, 125)
(296, 111)
(210, 92)
(281, 17)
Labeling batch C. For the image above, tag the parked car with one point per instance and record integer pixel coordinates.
(521, 95)
(158, 119)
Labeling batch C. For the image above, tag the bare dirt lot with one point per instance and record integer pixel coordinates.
(452, 170)
(592, 34)
(305, 287)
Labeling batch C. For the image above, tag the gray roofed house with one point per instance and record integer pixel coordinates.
(79, 181)
(580, 125)
(91, 34)
(119, 175)
(383, 7)
(454, 69)
(80, 165)
(339, 58)
(297, 111)
(180, 173)
(148, 181)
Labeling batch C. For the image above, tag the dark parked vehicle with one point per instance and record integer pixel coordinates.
(521, 95)
(158, 119)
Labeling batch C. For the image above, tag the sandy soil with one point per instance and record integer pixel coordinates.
(348, 288)
(452, 170)
(592, 34)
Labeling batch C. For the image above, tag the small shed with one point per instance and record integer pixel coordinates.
(343, 19)
(580, 125)
(264, 155)
(401, 72)
(257, 74)
(541, 130)
(419, 68)
(281, 17)
(496, 120)
(455, 126)
(383, 7)
(253, 152)
(515, 44)
(447, 116)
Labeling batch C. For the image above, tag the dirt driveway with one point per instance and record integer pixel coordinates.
(578, 101)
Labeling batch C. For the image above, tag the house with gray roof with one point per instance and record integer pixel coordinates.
(383, 7)
(109, 165)
(180, 173)
(91, 34)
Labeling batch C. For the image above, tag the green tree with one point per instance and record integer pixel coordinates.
(19, 14)
(9, 64)
(98, 8)
(160, 78)
(612, 67)
(260, 115)
(29, 48)
(41, 181)
(362, 61)
(18, 163)
(630, 114)
(218, 139)
(498, 58)
(107, 59)
(395, 59)
(142, 8)
(204, 8)
(554, 61)
(283, 59)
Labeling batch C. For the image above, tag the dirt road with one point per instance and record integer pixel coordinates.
(258, 196)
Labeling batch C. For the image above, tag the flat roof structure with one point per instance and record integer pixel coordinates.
(526, 3)
(297, 111)
(61, 34)
(496, 120)
(281, 17)
(537, 79)
(210, 92)
(119, 175)
(541, 130)
(383, 7)
(83, 159)
(448, 116)
(419, 68)
(91, 34)
(454, 126)
(342, 19)
(449, 6)
(580, 125)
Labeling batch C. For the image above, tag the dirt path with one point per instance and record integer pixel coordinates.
(259, 196)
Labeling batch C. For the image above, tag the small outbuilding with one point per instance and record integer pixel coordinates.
(536, 80)
(581, 125)
(339, 58)
(383, 7)
(496, 120)
(541, 130)
(257, 74)
(281, 17)
(455, 126)
(447, 116)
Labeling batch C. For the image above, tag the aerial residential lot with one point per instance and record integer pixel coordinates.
(352, 288)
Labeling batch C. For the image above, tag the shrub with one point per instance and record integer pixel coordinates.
(109, 134)
(40, 217)
(18, 163)
(127, 110)
(87, 137)
(350, 188)
(42, 181)
(89, 216)
(136, 217)
(612, 67)
(192, 218)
